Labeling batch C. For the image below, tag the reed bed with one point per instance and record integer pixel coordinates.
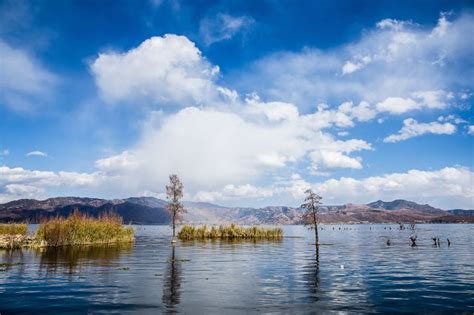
(80, 229)
(229, 232)
(13, 229)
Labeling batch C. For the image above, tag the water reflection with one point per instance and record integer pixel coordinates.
(172, 282)
(11, 259)
(229, 242)
(352, 271)
(312, 273)
(73, 258)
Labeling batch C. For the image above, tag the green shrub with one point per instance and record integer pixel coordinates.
(13, 229)
(229, 232)
(82, 229)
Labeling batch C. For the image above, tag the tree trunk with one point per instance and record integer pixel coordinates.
(174, 224)
(316, 236)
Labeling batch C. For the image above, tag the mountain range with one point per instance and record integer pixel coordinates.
(150, 210)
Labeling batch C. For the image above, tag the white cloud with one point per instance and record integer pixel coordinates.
(452, 118)
(232, 192)
(37, 153)
(447, 188)
(210, 147)
(360, 63)
(437, 99)
(161, 70)
(392, 24)
(23, 81)
(432, 99)
(362, 112)
(335, 160)
(411, 128)
(273, 111)
(442, 27)
(4, 152)
(23, 183)
(397, 61)
(470, 129)
(124, 160)
(222, 27)
(396, 105)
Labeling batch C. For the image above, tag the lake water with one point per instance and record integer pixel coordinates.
(354, 271)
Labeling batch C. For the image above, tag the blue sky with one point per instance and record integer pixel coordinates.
(250, 102)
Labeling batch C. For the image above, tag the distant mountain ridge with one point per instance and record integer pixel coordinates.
(150, 210)
(140, 210)
(398, 204)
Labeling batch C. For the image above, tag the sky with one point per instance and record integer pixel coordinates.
(249, 102)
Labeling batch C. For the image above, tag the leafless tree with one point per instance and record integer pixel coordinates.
(174, 193)
(310, 217)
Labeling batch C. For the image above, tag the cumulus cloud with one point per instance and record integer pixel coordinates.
(210, 147)
(362, 112)
(397, 64)
(447, 188)
(335, 160)
(231, 191)
(168, 70)
(419, 100)
(37, 153)
(223, 27)
(24, 183)
(24, 82)
(273, 111)
(412, 128)
(122, 161)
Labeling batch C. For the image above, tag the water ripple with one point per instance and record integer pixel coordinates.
(354, 271)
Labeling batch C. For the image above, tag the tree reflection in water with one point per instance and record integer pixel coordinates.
(12, 259)
(172, 283)
(71, 259)
(313, 276)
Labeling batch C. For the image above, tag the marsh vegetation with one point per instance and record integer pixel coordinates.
(13, 229)
(77, 229)
(229, 232)
(81, 229)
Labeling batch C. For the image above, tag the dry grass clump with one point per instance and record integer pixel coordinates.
(229, 232)
(13, 229)
(80, 229)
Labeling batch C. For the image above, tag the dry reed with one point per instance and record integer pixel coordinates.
(13, 229)
(229, 232)
(82, 229)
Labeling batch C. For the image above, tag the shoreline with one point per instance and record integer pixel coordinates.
(28, 241)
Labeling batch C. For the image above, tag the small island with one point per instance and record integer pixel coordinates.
(230, 232)
(76, 229)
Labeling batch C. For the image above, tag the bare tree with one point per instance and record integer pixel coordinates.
(174, 193)
(310, 217)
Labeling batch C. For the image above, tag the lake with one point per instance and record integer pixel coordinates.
(355, 271)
